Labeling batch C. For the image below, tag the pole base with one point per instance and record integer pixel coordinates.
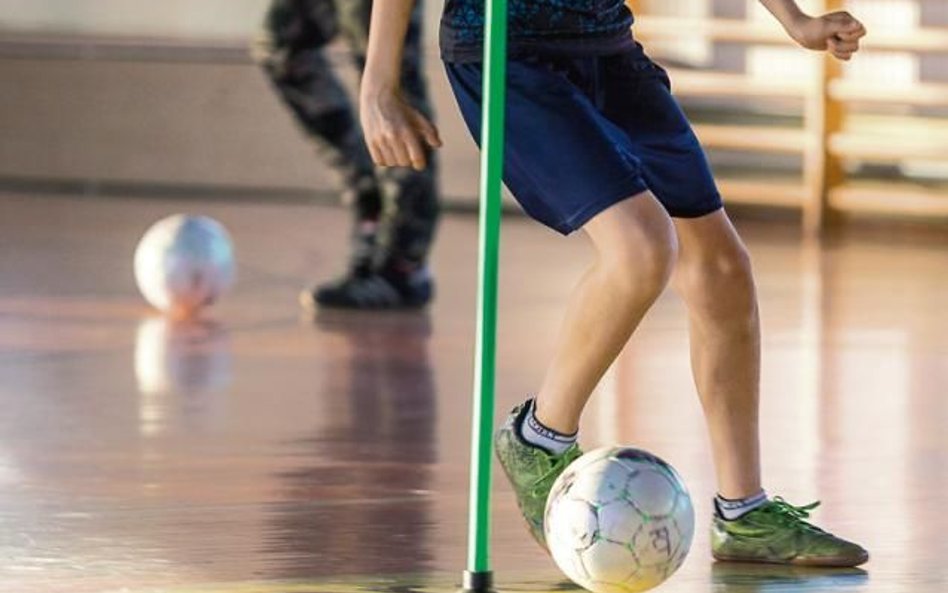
(478, 582)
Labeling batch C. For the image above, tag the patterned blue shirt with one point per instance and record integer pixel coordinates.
(568, 27)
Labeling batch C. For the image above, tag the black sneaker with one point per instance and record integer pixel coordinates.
(378, 290)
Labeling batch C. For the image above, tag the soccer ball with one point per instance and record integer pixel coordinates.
(619, 520)
(184, 263)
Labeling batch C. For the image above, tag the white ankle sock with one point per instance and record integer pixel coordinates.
(730, 510)
(534, 432)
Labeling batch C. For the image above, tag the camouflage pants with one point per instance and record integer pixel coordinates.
(291, 51)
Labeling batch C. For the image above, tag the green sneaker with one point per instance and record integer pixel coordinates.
(776, 533)
(531, 470)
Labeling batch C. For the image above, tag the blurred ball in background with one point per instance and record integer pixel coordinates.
(184, 263)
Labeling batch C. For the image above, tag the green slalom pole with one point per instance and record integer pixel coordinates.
(478, 577)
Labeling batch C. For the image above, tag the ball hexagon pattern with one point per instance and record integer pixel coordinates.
(619, 520)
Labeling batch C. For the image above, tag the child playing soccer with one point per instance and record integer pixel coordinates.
(595, 141)
(395, 214)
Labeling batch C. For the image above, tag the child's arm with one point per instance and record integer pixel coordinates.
(394, 131)
(837, 32)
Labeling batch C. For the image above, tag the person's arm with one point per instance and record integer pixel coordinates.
(395, 132)
(836, 32)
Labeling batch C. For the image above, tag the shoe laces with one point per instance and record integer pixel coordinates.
(791, 515)
(556, 468)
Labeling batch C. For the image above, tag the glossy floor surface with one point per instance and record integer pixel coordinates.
(260, 450)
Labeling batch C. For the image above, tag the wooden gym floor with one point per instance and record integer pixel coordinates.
(263, 451)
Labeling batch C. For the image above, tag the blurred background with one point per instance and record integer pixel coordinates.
(129, 96)
(137, 453)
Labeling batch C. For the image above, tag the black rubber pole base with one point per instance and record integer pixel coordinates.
(478, 582)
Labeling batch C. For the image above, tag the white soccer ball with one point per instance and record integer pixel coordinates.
(619, 520)
(184, 263)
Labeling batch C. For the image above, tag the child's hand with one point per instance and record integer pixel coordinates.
(395, 132)
(837, 32)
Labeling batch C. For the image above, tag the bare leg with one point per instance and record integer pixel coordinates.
(715, 280)
(635, 253)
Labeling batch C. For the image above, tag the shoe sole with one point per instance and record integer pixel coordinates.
(307, 301)
(830, 562)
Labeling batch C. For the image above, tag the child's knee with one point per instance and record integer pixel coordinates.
(644, 259)
(732, 268)
(720, 284)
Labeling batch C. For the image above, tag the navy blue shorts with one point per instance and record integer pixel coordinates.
(585, 133)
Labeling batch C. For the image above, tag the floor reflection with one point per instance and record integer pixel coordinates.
(763, 578)
(183, 360)
(361, 504)
(270, 456)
